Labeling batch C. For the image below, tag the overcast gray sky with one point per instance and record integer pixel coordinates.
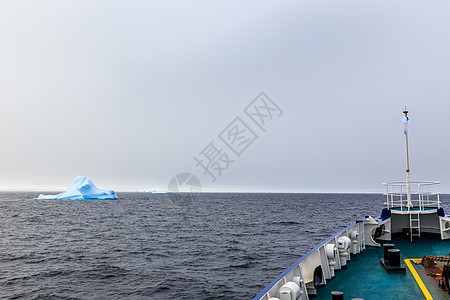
(129, 92)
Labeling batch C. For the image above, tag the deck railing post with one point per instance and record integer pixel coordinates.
(419, 191)
(401, 197)
(438, 201)
(387, 196)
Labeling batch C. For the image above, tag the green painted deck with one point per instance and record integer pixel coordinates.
(366, 278)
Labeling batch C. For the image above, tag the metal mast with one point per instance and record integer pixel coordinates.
(408, 178)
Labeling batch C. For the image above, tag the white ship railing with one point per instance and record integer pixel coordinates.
(424, 195)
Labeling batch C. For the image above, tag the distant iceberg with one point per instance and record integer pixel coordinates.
(82, 189)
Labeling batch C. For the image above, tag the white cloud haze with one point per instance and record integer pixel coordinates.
(128, 92)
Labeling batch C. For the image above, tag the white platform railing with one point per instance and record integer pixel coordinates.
(424, 194)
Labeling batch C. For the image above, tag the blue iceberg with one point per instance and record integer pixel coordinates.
(82, 189)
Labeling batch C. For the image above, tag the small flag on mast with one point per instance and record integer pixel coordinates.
(405, 120)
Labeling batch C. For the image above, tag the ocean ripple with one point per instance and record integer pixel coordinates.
(143, 246)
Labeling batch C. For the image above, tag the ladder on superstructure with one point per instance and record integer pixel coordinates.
(414, 223)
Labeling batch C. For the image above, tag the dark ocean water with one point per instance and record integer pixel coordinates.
(146, 246)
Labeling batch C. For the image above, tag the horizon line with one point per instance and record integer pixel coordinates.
(154, 191)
